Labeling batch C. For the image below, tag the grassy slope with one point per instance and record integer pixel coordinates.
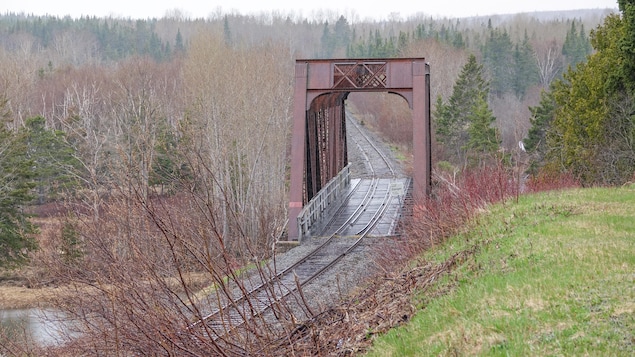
(554, 274)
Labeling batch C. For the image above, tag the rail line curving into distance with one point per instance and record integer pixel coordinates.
(258, 300)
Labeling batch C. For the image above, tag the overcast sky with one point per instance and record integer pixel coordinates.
(363, 9)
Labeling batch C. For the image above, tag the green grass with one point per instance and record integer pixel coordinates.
(553, 274)
(399, 154)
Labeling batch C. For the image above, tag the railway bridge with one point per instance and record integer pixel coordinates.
(319, 148)
(322, 188)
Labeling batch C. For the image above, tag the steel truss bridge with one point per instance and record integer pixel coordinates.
(319, 147)
(325, 201)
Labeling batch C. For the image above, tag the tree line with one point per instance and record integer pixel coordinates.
(110, 39)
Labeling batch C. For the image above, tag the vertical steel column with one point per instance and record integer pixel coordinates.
(322, 150)
(325, 142)
(297, 148)
(335, 155)
(342, 152)
(310, 164)
(421, 142)
(333, 143)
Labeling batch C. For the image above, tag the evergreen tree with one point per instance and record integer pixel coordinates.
(499, 61)
(389, 48)
(52, 157)
(483, 139)
(576, 46)
(403, 40)
(227, 34)
(592, 134)
(16, 182)
(541, 117)
(458, 41)
(525, 68)
(168, 168)
(72, 246)
(328, 46)
(341, 33)
(179, 46)
(627, 44)
(378, 46)
(576, 131)
(337, 41)
(420, 32)
(463, 123)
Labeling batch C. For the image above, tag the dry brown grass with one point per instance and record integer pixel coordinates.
(30, 286)
(16, 294)
(386, 302)
(22, 297)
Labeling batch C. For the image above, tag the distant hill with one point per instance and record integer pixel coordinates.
(593, 15)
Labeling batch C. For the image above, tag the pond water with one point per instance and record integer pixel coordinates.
(43, 327)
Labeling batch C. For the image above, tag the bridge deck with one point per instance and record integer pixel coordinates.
(338, 214)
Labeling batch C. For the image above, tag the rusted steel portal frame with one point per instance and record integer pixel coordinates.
(318, 147)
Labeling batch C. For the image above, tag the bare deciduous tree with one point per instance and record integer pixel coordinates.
(17, 77)
(90, 135)
(548, 57)
(241, 131)
(139, 105)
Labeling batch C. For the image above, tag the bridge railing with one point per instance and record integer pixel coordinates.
(316, 208)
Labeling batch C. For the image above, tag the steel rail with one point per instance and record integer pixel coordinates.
(367, 158)
(298, 279)
(251, 297)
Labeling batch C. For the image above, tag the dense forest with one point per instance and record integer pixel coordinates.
(150, 137)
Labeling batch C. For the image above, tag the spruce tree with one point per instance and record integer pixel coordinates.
(16, 182)
(525, 68)
(53, 161)
(541, 117)
(498, 56)
(227, 33)
(484, 139)
(179, 46)
(463, 123)
(328, 44)
(341, 33)
(576, 45)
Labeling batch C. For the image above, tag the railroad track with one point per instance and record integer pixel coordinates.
(378, 163)
(257, 300)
